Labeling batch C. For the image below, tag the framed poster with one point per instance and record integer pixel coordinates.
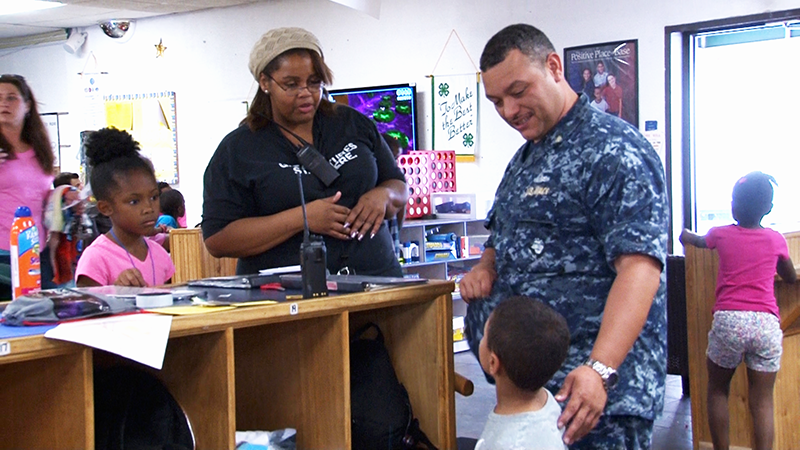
(608, 74)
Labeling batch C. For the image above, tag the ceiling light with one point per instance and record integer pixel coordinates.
(75, 41)
(20, 6)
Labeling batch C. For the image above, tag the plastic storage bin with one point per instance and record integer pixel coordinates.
(452, 205)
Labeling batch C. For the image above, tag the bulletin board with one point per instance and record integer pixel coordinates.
(150, 119)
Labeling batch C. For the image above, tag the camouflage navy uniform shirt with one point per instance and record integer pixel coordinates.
(591, 190)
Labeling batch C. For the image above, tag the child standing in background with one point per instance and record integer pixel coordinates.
(172, 207)
(524, 343)
(67, 225)
(124, 184)
(163, 186)
(746, 318)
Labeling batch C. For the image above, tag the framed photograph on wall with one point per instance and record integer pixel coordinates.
(608, 74)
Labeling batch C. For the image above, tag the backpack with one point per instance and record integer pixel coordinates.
(380, 409)
(135, 411)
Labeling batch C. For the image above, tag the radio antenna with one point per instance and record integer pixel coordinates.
(306, 233)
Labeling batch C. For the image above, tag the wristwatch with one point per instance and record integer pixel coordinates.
(609, 375)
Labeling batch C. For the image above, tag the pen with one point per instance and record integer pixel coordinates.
(294, 296)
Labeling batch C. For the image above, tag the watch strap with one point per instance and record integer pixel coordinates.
(607, 374)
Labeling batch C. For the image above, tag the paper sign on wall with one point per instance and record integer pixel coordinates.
(150, 118)
(455, 113)
(94, 115)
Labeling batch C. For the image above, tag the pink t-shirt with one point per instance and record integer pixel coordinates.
(22, 183)
(104, 260)
(748, 259)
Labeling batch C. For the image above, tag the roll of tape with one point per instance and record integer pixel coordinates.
(154, 300)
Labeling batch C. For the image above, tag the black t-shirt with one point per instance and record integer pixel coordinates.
(254, 174)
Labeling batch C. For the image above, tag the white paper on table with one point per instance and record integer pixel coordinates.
(280, 270)
(140, 337)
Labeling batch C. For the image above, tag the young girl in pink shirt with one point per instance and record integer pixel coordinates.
(124, 184)
(746, 319)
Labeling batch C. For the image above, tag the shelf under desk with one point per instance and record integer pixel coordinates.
(253, 368)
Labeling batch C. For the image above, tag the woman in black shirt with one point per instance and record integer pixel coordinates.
(251, 198)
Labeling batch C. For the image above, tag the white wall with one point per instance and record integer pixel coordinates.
(207, 52)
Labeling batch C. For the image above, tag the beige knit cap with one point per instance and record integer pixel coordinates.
(274, 42)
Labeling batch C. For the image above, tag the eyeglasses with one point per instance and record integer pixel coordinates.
(295, 90)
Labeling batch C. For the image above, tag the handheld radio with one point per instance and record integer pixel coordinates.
(313, 161)
(313, 259)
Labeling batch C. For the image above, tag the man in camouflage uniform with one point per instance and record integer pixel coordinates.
(580, 222)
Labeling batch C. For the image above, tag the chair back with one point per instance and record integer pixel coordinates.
(191, 258)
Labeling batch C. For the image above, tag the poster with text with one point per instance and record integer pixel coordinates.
(608, 75)
(455, 113)
(94, 117)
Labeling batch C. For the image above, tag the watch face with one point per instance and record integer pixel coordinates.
(612, 380)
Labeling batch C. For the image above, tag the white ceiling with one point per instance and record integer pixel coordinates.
(85, 13)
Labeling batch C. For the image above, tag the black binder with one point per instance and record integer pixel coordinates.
(354, 283)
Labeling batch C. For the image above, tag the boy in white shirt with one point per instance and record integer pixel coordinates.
(524, 343)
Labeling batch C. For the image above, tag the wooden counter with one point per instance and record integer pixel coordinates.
(254, 368)
(701, 280)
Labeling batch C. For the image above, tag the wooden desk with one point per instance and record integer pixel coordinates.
(254, 368)
(701, 279)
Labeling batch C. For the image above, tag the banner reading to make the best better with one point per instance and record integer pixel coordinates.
(455, 113)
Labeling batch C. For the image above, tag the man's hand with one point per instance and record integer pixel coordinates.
(477, 283)
(587, 397)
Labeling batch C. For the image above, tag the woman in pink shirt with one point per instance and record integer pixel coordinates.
(124, 184)
(746, 322)
(26, 167)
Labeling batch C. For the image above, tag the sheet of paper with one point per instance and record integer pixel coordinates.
(280, 270)
(140, 337)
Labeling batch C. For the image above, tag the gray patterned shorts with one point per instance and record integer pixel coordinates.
(753, 336)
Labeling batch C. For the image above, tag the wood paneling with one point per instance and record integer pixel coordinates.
(701, 278)
(191, 258)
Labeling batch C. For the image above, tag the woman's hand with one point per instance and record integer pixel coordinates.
(130, 277)
(369, 213)
(328, 218)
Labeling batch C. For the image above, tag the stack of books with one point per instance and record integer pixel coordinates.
(441, 247)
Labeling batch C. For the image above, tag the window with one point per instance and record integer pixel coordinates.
(731, 110)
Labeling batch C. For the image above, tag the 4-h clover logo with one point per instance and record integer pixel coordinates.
(444, 90)
(469, 140)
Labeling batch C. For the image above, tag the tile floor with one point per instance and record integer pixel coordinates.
(673, 430)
